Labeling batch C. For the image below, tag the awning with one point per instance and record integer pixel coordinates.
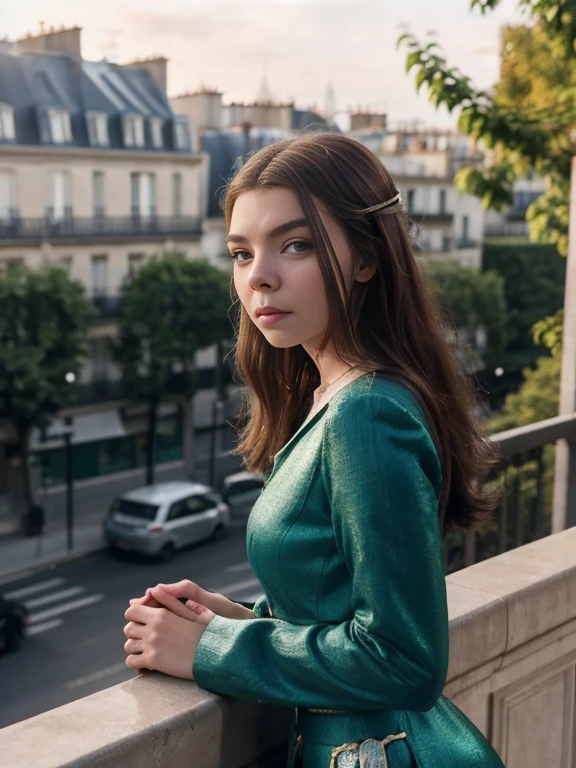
(86, 428)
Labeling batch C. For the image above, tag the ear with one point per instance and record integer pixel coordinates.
(365, 273)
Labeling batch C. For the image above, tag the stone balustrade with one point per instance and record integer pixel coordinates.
(512, 671)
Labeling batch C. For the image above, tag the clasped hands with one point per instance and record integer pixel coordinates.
(163, 633)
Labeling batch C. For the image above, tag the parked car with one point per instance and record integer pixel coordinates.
(160, 519)
(241, 490)
(13, 620)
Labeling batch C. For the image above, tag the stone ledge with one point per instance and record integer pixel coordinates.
(514, 602)
(148, 722)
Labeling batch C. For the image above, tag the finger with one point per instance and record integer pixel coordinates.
(184, 588)
(142, 614)
(134, 630)
(138, 661)
(172, 603)
(133, 646)
(203, 615)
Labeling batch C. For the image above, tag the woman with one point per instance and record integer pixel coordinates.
(361, 413)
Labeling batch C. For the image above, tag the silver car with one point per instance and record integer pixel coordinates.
(241, 490)
(159, 519)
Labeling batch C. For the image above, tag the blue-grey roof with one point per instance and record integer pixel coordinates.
(34, 82)
(227, 148)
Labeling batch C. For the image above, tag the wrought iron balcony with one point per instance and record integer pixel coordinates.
(107, 307)
(71, 227)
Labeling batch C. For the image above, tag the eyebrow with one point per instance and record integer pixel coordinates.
(279, 230)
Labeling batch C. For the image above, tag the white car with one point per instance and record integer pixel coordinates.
(160, 519)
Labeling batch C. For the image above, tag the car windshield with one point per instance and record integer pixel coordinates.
(135, 508)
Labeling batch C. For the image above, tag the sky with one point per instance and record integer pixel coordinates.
(300, 44)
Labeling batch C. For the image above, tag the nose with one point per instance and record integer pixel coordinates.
(263, 273)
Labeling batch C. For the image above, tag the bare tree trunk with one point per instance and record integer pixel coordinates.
(152, 433)
(24, 491)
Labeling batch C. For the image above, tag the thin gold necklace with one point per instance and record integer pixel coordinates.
(323, 389)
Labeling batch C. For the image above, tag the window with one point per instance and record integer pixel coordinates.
(135, 509)
(98, 196)
(442, 201)
(135, 261)
(177, 194)
(8, 210)
(181, 138)
(156, 124)
(465, 228)
(446, 242)
(133, 131)
(98, 129)
(143, 193)
(7, 132)
(60, 130)
(59, 204)
(410, 200)
(193, 505)
(99, 276)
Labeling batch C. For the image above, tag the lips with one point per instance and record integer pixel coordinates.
(271, 311)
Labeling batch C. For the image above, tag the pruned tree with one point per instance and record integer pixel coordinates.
(44, 325)
(172, 307)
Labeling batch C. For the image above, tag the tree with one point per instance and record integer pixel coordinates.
(44, 324)
(171, 308)
(526, 121)
(476, 303)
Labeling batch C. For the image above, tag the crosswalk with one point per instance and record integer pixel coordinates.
(48, 600)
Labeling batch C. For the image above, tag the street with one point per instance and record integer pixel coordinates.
(74, 643)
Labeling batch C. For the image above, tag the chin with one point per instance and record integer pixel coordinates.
(281, 341)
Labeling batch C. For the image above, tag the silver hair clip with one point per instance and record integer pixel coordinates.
(396, 199)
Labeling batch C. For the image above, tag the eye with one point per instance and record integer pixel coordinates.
(236, 254)
(301, 246)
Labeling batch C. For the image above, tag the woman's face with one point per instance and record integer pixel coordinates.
(275, 266)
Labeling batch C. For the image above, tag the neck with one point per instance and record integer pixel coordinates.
(331, 368)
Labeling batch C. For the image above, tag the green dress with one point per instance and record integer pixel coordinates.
(346, 542)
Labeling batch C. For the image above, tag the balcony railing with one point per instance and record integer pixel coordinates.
(100, 227)
(437, 217)
(107, 307)
(507, 229)
(525, 477)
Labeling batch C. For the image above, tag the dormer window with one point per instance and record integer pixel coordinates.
(60, 130)
(98, 129)
(7, 132)
(133, 131)
(181, 135)
(156, 124)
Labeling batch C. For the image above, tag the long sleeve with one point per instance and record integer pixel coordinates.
(382, 478)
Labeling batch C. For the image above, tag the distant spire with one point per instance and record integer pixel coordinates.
(329, 102)
(264, 93)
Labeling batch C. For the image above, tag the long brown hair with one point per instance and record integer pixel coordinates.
(391, 324)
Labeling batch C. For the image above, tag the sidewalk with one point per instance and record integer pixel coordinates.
(92, 498)
(19, 554)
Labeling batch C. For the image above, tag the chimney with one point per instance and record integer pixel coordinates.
(61, 40)
(157, 68)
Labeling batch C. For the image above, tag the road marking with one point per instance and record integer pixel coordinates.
(80, 681)
(40, 587)
(238, 586)
(54, 596)
(65, 608)
(239, 566)
(38, 628)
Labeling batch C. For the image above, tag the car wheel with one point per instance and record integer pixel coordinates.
(220, 532)
(14, 637)
(167, 552)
